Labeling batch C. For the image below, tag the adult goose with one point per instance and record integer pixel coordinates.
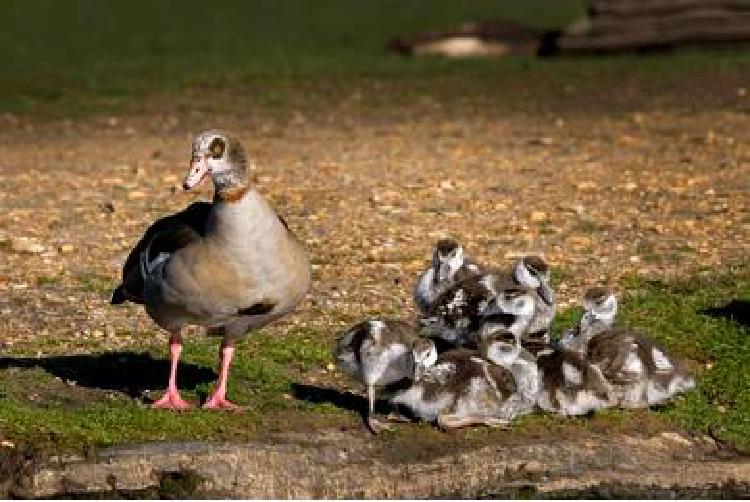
(231, 265)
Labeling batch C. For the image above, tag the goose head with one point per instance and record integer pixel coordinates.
(219, 155)
(533, 273)
(447, 259)
(599, 309)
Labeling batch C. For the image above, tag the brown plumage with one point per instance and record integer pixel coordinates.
(230, 266)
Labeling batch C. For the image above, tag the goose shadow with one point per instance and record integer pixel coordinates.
(130, 373)
(736, 310)
(345, 400)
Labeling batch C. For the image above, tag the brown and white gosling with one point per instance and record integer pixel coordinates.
(640, 372)
(461, 310)
(459, 390)
(491, 386)
(382, 352)
(449, 266)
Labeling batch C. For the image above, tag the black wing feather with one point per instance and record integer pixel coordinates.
(165, 235)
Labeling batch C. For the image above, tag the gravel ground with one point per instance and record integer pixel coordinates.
(600, 194)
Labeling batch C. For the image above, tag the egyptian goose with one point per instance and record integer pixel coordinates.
(640, 372)
(449, 265)
(381, 352)
(503, 349)
(459, 312)
(533, 273)
(559, 381)
(459, 390)
(570, 385)
(231, 265)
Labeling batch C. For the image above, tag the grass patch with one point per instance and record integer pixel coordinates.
(60, 54)
(81, 56)
(717, 346)
(72, 402)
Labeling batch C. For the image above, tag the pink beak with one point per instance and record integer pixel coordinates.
(197, 172)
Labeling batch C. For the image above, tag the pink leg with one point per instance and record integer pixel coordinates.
(219, 401)
(171, 399)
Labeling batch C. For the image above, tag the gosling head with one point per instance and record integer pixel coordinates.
(447, 259)
(500, 345)
(599, 309)
(516, 306)
(533, 273)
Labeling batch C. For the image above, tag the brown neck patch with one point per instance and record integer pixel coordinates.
(232, 194)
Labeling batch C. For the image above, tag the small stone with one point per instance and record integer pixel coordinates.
(635, 259)
(446, 185)
(136, 194)
(330, 367)
(538, 216)
(26, 245)
(579, 241)
(587, 185)
(543, 141)
(67, 248)
(7, 443)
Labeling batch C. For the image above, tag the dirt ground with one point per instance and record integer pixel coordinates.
(601, 187)
(639, 180)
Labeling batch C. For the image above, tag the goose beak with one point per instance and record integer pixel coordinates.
(197, 172)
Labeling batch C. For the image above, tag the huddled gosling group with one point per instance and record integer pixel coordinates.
(480, 352)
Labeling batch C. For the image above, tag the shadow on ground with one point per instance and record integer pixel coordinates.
(320, 395)
(736, 310)
(131, 373)
(344, 400)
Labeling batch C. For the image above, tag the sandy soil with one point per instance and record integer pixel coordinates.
(599, 193)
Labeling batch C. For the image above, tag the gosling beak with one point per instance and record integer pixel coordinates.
(548, 296)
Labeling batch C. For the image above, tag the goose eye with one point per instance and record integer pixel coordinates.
(217, 148)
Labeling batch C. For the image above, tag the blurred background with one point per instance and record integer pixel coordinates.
(90, 54)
